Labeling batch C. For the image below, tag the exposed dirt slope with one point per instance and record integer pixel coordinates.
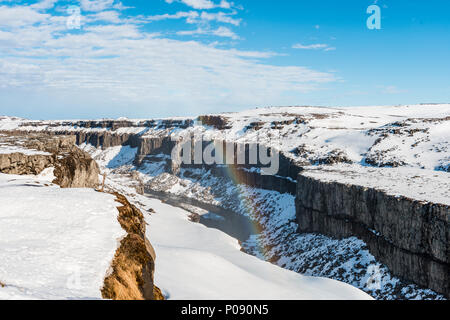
(132, 276)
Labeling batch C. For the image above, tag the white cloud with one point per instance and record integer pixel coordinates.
(119, 63)
(391, 90)
(20, 16)
(310, 46)
(315, 46)
(225, 32)
(220, 17)
(225, 4)
(44, 4)
(193, 17)
(219, 32)
(196, 4)
(204, 4)
(190, 16)
(96, 5)
(120, 6)
(111, 16)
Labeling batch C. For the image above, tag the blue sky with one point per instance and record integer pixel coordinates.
(153, 58)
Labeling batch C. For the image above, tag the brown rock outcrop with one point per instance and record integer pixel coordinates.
(19, 163)
(132, 276)
(76, 169)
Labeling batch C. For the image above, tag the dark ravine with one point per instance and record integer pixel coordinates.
(411, 238)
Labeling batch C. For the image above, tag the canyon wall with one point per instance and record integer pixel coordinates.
(410, 237)
(73, 168)
(133, 266)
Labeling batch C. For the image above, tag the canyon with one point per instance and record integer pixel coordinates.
(377, 175)
(44, 179)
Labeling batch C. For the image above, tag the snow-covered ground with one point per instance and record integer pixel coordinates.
(369, 144)
(413, 135)
(7, 149)
(382, 136)
(195, 262)
(346, 260)
(408, 135)
(54, 243)
(418, 184)
(58, 244)
(200, 263)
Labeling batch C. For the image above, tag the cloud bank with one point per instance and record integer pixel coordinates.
(112, 61)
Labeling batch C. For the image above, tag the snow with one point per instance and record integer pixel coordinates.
(54, 243)
(346, 260)
(111, 157)
(409, 135)
(9, 123)
(177, 239)
(375, 139)
(418, 184)
(195, 262)
(7, 149)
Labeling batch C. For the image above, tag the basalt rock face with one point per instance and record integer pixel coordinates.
(74, 168)
(218, 122)
(105, 139)
(410, 237)
(148, 146)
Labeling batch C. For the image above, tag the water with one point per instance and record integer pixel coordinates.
(234, 224)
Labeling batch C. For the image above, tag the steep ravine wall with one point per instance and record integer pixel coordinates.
(410, 237)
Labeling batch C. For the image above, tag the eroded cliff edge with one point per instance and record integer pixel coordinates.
(394, 238)
(411, 237)
(131, 275)
(32, 153)
(133, 267)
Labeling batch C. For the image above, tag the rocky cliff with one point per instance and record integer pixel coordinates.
(411, 237)
(32, 153)
(132, 270)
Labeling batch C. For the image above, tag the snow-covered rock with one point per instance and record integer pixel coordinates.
(54, 243)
